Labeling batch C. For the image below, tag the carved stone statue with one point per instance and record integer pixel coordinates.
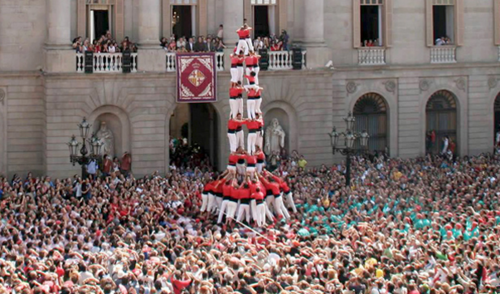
(107, 139)
(275, 137)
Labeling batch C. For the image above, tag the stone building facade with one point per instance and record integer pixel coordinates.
(399, 89)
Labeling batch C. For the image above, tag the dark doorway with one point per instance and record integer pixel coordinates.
(261, 21)
(496, 127)
(370, 23)
(370, 112)
(197, 123)
(441, 113)
(101, 23)
(439, 18)
(182, 21)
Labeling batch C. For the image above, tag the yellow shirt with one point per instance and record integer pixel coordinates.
(302, 163)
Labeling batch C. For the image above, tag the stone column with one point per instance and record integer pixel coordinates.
(312, 38)
(233, 20)
(151, 57)
(149, 23)
(58, 56)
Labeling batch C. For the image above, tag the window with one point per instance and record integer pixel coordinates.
(95, 17)
(182, 21)
(444, 20)
(372, 23)
(264, 16)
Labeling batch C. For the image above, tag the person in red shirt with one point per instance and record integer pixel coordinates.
(244, 197)
(261, 158)
(260, 210)
(179, 284)
(248, 39)
(258, 101)
(236, 99)
(252, 64)
(218, 185)
(234, 69)
(251, 164)
(253, 128)
(107, 165)
(253, 95)
(207, 190)
(234, 132)
(233, 160)
(260, 133)
(243, 33)
(227, 191)
(276, 201)
(279, 200)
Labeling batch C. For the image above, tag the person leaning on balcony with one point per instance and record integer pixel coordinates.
(190, 45)
(200, 46)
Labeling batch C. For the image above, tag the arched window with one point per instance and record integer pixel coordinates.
(370, 112)
(441, 113)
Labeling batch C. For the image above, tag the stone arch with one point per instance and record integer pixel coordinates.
(441, 115)
(392, 117)
(493, 117)
(220, 133)
(441, 84)
(286, 111)
(118, 122)
(371, 113)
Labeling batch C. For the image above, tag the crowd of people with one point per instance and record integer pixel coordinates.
(424, 225)
(105, 44)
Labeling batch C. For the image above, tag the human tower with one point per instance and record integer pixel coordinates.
(246, 189)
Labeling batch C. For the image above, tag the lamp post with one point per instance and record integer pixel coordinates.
(349, 137)
(84, 158)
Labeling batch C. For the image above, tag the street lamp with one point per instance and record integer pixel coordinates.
(85, 158)
(347, 149)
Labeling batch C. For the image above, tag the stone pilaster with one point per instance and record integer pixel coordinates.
(58, 54)
(149, 24)
(233, 20)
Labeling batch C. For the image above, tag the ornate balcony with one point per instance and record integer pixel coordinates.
(371, 56)
(105, 62)
(443, 54)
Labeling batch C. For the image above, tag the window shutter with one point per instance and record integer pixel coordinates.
(388, 23)
(459, 22)
(356, 24)
(429, 23)
(496, 22)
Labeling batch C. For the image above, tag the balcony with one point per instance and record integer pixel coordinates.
(443, 54)
(219, 61)
(371, 56)
(283, 60)
(105, 62)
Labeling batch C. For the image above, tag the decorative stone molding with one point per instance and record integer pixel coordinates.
(390, 86)
(424, 85)
(492, 82)
(2, 96)
(351, 87)
(461, 84)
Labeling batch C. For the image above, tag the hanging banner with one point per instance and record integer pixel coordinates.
(196, 77)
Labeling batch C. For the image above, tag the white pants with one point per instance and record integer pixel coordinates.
(261, 214)
(233, 105)
(239, 104)
(244, 208)
(289, 201)
(251, 171)
(211, 202)
(204, 203)
(242, 46)
(223, 209)
(231, 168)
(231, 209)
(240, 74)
(260, 166)
(233, 142)
(249, 70)
(253, 209)
(251, 108)
(249, 44)
(270, 207)
(256, 70)
(258, 102)
(241, 168)
(218, 203)
(280, 207)
(234, 75)
(260, 140)
(251, 141)
(240, 139)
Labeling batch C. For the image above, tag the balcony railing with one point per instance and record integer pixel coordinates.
(371, 56)
(105, 62)
(283, 60)
(443, 54)
(219, 61)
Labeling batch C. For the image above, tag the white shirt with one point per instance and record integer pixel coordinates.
(92, 167)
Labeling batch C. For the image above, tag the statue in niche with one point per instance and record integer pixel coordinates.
(275, 138)
(107, 139)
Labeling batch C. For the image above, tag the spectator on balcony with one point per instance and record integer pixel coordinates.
(220, 32)
(284, 38)
(210, 45)
(181, 42)
(77, 42)
(190, 45)
(219, 45)
(200, 46)
(112, 47)
(267, 43)
(164, 43)
(182, 49)
(258, 44)
(276, 46)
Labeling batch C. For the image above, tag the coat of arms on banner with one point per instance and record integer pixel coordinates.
(196, 77)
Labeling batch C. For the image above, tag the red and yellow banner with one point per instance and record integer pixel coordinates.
(196, 77)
